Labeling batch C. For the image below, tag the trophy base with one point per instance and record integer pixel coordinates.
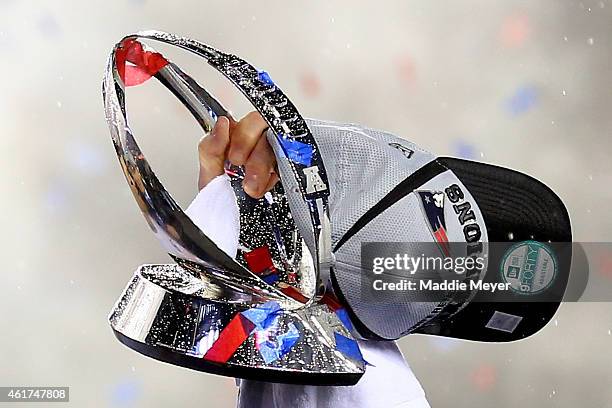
(246, 373)
(162, 315)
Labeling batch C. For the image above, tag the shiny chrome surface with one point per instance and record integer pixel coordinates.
(177, 233)
(166, 313)
(208, 311)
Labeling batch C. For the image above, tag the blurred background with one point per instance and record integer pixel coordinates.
(523, 84)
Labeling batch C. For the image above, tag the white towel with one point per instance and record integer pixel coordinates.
(215, 211)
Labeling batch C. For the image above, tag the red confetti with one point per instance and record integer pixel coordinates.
(406, 69)
(134, 76)
(330, 300)
(605, 264)
(293, 293)
(259, 260)
(230, 338)
(310, 84)
(515, 30)
(484, 377)
(145, 63)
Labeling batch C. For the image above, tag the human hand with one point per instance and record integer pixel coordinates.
(243, 143)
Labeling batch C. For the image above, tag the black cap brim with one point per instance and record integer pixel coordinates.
(516, 208)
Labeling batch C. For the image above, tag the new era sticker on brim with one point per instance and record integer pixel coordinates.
(529, 267)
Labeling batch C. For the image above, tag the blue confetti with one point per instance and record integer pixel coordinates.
(344, 318)
(464, 149)
(57, 197)
(264, 315)
(273, 350)
(348, 347)
(271, 279)
(265, 78)
(86, 158)
(125, 393)
(297, 152)
(266, 319)
(523, 100)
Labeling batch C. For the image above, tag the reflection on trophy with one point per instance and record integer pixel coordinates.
(262, 314)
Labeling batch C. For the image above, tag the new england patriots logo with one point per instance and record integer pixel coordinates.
(432, 203)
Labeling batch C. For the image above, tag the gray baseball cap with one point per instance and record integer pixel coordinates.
(385, 189)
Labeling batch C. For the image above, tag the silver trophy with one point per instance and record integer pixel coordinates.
(263, 315)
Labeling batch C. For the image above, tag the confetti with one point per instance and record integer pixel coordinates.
(464, 149)
(126, 393)
(484, 377)
(523, 100)
(406, 69)
(515, 30)
(310, 84)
